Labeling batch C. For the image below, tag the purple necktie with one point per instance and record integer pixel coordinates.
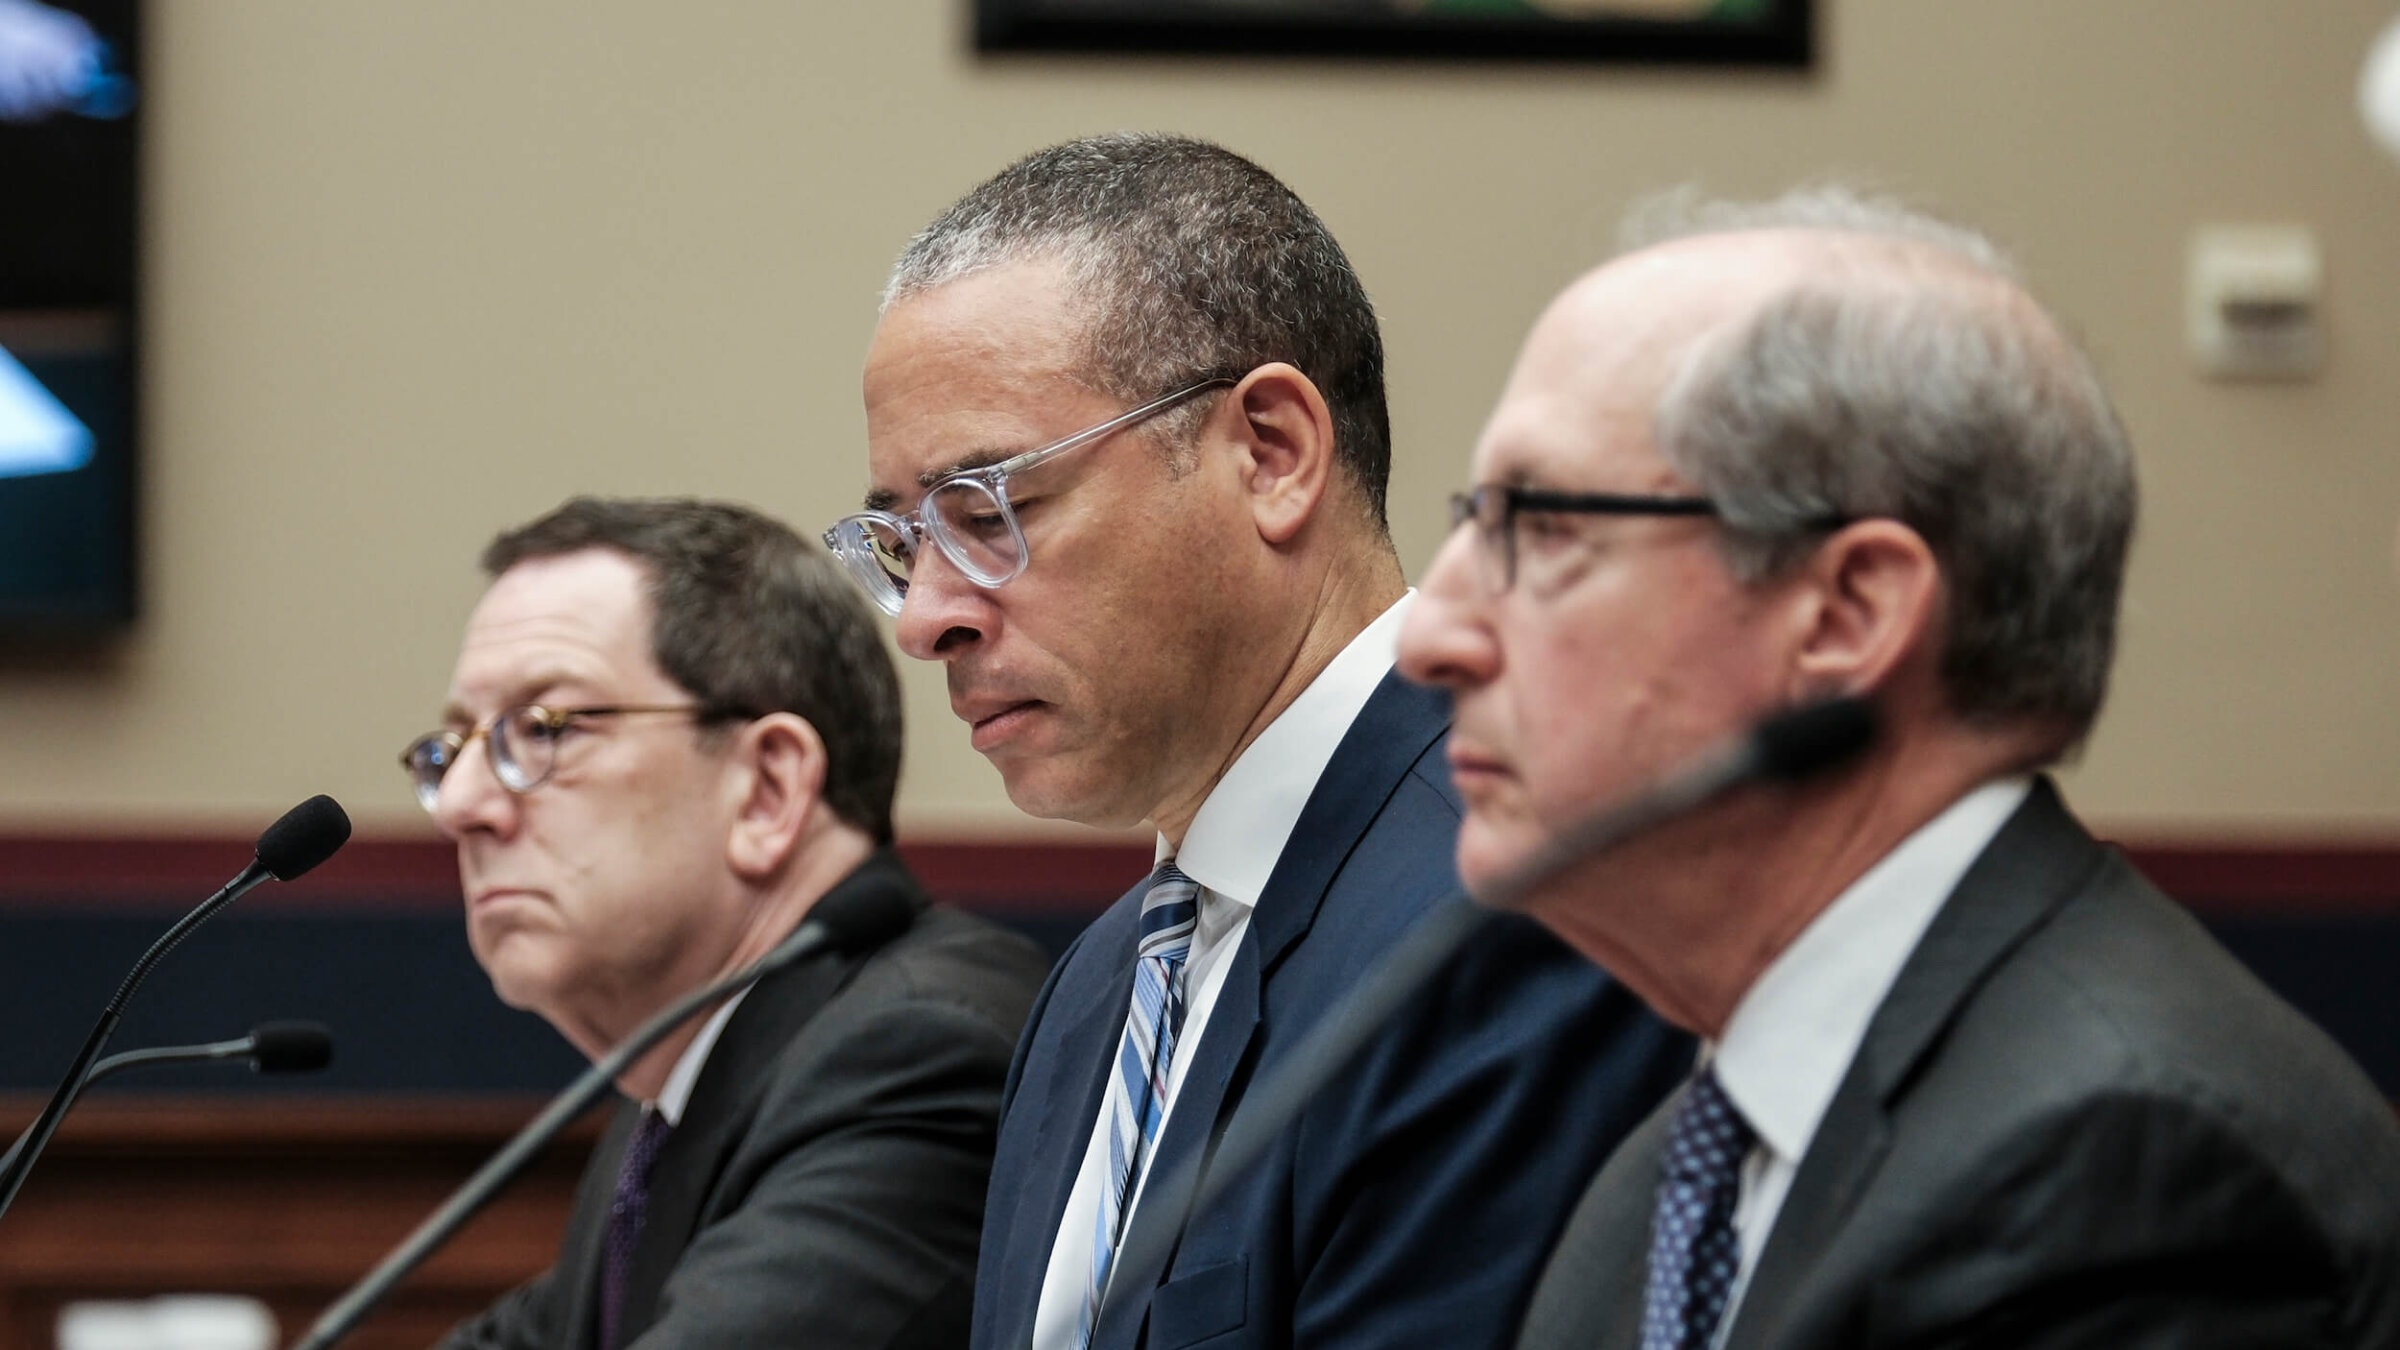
(625, 1219)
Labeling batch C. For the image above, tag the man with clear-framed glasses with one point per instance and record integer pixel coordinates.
(671, 731)
(1127, 449)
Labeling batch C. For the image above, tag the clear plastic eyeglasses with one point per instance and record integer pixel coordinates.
(521, 742)
(967, 515)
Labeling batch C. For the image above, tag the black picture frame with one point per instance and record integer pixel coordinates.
(1760, 33)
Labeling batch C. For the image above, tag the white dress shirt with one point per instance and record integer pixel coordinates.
(1790, 1040)
(1230, 850)
(676, 1092)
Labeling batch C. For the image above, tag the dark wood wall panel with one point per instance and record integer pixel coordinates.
(286, 1201)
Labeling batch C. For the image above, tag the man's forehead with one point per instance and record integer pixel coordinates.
(1587, 385)
(968, 374)
(582, 615)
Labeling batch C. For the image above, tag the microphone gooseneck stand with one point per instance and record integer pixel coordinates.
(1785, 748)
(304, 836)
(271, 1047)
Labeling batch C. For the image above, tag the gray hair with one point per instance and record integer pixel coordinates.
(1190, 262)
(750, 620)
(1911, 377)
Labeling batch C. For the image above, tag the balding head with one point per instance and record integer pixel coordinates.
(1853, 359)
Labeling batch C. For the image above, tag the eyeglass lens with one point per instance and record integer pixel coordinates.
(1487, 508)
(967, 518)
(522, 743)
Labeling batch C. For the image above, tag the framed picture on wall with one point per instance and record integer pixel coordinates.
(1688, 32)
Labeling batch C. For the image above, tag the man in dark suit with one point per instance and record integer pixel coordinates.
(1969, 1079)
(675, 732)
(1127, 451)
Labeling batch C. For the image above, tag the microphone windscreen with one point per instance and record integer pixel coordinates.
(862, 918)
(290, 1047)
(307, 835)
(1814, 737)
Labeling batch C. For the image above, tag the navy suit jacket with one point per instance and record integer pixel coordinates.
(1413, 1201)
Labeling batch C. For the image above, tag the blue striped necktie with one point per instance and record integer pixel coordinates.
(1137, 1091)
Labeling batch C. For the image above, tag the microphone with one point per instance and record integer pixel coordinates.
(271, 1047)
(855, 921)
(1785, 748)
(304, 836)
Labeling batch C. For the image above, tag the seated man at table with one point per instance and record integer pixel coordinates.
(672, 731)
(1970, 1080)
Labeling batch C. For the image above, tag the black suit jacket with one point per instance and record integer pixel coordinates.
(2075, 1121)
(825, 1186)
(1412, 1203)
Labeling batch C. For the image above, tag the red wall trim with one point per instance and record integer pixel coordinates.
(151, 870)
(1044, 877)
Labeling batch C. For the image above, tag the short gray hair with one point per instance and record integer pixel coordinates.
(1191, 263)
(1913, 378)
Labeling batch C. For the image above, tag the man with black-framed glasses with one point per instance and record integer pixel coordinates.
(671, 731)
(1969, 1078)
(1127, 450)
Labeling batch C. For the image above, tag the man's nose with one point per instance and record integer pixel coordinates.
(1445, 640)
(942, 613)
(471, 797)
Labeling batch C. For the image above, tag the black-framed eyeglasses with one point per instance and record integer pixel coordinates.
(968, 515)
(522, 742)
(1493, 508)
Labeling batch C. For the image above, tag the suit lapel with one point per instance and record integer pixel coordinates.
(2039, 859)
(725, 1099)
(1389, 734)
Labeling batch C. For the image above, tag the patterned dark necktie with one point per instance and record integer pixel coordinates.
(1137, 1089)
(625, 1219)
(1694, 1252)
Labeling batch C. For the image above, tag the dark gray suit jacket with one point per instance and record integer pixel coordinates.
(2075, 1121)
(825, 1186)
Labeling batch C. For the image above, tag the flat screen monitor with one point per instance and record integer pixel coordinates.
(70, 119)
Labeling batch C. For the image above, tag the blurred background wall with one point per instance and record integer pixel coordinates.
(418, 271)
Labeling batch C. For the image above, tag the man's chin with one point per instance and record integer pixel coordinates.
(1493, 854)
(1043, 790)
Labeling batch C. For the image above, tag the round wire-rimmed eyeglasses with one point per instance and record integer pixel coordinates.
(967, 515)
(521, 743)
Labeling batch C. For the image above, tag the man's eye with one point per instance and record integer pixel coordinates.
(539, 731)
(1545, 527)
(986, 524)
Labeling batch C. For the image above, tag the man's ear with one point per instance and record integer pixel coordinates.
(1286, 436)
(780, 780)
(1872, 601)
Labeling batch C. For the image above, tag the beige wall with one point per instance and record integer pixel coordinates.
(418, 270)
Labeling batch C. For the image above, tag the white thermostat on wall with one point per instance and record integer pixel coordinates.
(2253, 302)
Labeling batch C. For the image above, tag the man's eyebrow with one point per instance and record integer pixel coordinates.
(884, 499)
(533, 690)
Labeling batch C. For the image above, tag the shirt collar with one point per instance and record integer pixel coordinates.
(1234, 841)
(1790, 1040)
(677, 1091)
